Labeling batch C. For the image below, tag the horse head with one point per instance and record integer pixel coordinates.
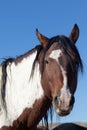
(59, 63)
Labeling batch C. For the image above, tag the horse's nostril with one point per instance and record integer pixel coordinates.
(56, 99)
(72, 101)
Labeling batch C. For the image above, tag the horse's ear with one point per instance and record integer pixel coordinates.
(43, 39)
(74, 34)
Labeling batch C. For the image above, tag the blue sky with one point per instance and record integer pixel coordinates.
(20, 18)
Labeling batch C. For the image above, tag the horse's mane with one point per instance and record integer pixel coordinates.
(68, 46)
(70, 49)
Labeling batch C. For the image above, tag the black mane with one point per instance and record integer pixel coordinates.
(4, 76)
(72, 52)
(70, 49)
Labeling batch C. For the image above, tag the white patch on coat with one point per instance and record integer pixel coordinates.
(21, 90)
(65, 95)
(65, 92)
(55, 54)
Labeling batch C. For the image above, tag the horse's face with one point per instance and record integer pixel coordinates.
(58, 79)
(59, 73)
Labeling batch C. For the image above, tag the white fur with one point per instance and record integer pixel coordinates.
(65, 92)
(21, 90)
(55, 54)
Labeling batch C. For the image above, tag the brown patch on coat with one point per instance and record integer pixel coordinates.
(30, 117)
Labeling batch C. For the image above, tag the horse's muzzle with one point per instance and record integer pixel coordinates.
(63, 106)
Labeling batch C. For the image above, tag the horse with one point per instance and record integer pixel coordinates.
(42, 77)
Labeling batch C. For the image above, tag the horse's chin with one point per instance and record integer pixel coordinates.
(62, 113)
(63, 108)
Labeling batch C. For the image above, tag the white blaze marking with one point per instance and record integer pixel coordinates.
(65, 92)
(21, 90)
(55, 54)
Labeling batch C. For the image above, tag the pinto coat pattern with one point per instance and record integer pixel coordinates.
(32, 82)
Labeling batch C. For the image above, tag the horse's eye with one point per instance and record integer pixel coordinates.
(46, 61)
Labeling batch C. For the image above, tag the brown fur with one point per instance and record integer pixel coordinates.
(31, 117)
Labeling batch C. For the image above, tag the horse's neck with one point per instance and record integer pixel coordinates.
(39, 110)
(22, 88)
